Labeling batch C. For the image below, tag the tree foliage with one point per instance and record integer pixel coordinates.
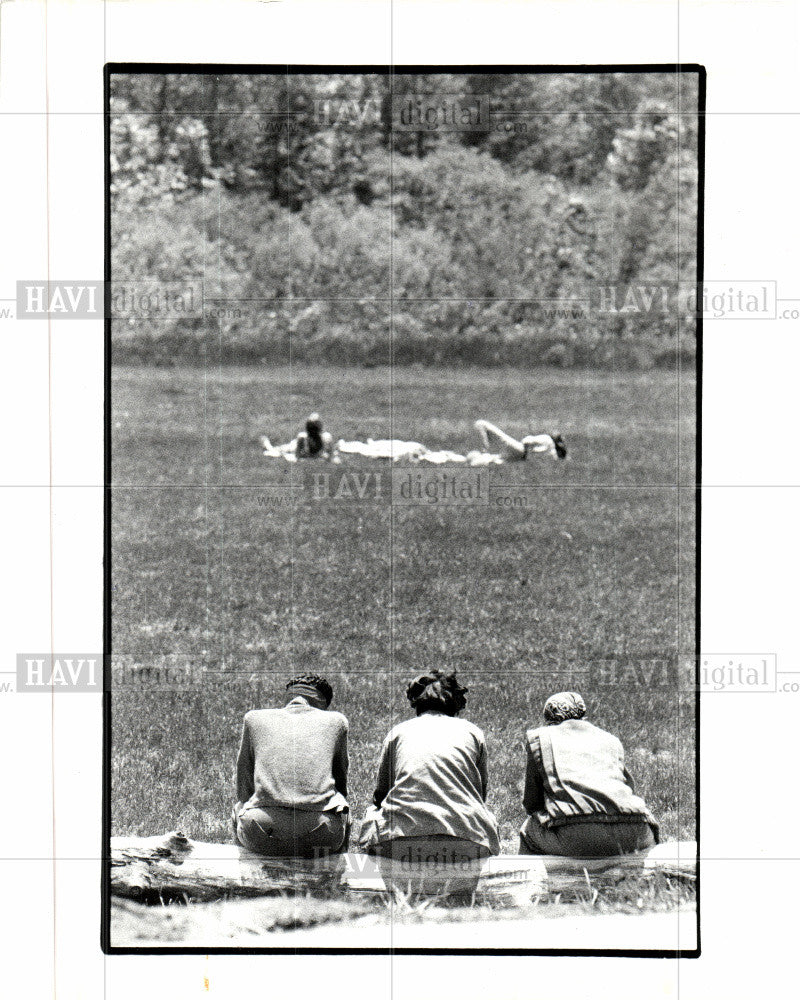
(303, 196)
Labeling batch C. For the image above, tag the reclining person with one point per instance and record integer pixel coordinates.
(432, 781)
(291, 775)
(578, 795)
(511, 450)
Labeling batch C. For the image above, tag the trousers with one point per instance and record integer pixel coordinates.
(433, 848)
(586, 840)
(283, 832)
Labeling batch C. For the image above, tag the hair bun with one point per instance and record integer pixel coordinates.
(437, 691)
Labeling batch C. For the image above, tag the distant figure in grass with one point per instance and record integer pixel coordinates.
(578, 795)
(313, 442)
(430, 799)
(291, 775)
(511, 450)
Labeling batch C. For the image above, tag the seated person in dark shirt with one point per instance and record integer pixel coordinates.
(313, 442)
(291, 775)
(578, 795)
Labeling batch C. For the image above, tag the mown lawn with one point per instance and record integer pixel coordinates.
(220, 559)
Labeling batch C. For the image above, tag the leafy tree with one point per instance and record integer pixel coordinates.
(303, 194)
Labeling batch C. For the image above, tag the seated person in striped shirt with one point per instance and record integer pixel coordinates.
(313, 442)
(431, 791)
(291, 775)
(578, 795)
(511, 450)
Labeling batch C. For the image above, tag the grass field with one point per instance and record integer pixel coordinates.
(220, 559)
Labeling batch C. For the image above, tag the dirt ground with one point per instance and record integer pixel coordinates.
(310, 923)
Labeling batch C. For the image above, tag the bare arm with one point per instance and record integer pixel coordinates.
(541, 444)
(480, 427)
(278, 450)
(328, 447)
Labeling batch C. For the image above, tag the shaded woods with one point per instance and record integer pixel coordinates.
(325, 227)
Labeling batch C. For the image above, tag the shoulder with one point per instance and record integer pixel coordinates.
(256, 715)
(605, 741)
(533, 735)
(398, 731)
(614, 742)
(337, 720)
(470, 729)
(584, 726)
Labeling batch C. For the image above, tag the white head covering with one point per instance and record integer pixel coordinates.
(564, 705)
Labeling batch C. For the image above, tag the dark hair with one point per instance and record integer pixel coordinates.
(314, 426)
(436, 692)
(313, 681)
(561, 448)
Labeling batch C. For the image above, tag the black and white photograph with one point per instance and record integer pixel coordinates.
(401, 565)
(398, 500)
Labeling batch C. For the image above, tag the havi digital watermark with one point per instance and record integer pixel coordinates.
(404, 487)
(48, 672)
(144, 299)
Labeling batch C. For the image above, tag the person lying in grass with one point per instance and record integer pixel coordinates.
(432, 782)
(578, 794)
(313, 442)
(511, 450)
(291, 775)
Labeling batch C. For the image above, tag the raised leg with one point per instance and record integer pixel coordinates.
(493, 437)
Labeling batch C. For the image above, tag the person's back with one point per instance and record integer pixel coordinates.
(432, 777)
(585, 772)
(578, 794)
(295, 751)
(291, 775)
(314, 442)
(435, 780)
(314, 446)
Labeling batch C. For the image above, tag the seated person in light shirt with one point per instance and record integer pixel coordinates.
(432, 781)
(291, 775)
(578, 794)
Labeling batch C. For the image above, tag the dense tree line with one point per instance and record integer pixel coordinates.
(459, 216)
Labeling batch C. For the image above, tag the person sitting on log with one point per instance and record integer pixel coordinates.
(512, 450)
(578, 794)
(313, 442)
(291, 775)
(430, 799)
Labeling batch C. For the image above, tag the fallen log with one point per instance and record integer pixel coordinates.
(516, 880)
(173, 866)
(154, 869)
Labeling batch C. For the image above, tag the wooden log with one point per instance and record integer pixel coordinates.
(515, 879)
(150, 869)
(173, 866)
